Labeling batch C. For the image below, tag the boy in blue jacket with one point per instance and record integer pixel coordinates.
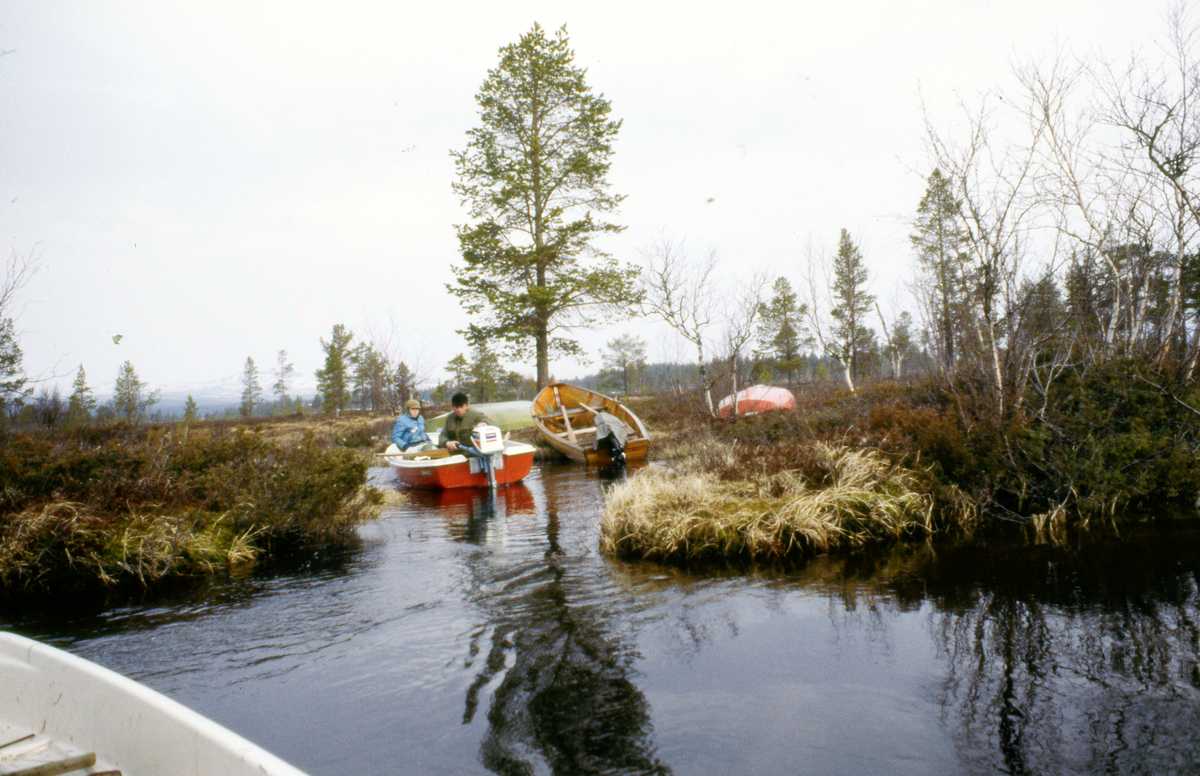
(408, 432)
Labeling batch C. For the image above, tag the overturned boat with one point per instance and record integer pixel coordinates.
(756, 398)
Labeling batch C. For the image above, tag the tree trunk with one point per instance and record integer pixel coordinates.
(704, 379)
(1193, 353)
(543, 357)
(1173, 308)
(733, 378)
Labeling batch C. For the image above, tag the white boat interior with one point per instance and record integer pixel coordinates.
(60, 713)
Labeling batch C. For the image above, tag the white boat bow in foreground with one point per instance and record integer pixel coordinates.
(60, 713)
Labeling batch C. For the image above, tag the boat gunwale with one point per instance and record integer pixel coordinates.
(548, 406)
(70, 718)
(432, 473)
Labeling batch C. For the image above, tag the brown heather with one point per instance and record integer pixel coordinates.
(137, 505)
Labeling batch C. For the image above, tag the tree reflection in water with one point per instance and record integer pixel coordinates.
(557, 675)
(1079, 660)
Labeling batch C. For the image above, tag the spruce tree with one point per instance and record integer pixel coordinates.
(333, 380)
(852, 304)
(781, 331)
(82, 402)
(405, 384)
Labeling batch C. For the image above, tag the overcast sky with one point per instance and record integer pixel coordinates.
(216, 180)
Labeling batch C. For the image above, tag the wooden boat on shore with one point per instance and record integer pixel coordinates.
(60, 713)
(441, 469)
(565, 416)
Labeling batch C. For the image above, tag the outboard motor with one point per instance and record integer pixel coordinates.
(611, 433)
(487, 440)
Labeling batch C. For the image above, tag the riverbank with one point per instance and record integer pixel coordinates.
(893, 462)
(135, 506)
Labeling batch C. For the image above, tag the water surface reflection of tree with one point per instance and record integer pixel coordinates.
(551, 659)
(1061, 660)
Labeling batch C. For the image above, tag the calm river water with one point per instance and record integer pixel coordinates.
(471, 633)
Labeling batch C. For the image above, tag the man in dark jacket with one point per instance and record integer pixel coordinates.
(456, 434)
(460, 423)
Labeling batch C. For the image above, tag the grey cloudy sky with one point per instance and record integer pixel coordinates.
(219, 180)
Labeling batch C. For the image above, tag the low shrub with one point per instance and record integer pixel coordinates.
(169, 504)
(1116, 437)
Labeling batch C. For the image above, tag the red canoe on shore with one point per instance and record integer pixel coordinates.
(757, 398)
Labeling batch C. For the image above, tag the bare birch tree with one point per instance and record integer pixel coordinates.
(394, 344)
(683, 294)
(18, 271)
(993, 180)
(741, 316)
(1157, 109)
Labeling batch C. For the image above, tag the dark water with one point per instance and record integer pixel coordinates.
(485, 634)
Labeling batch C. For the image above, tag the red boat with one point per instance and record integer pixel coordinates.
(441, 469)
(757, 398)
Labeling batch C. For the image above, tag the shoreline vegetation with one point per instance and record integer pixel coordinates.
(841, 499)
(123, 506)
(134, 505)
(896, 462)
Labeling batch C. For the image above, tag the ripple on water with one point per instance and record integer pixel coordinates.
(474, 633)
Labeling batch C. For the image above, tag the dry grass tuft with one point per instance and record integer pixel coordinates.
(690, 514)
(64, 539)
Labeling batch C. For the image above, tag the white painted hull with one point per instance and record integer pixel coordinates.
(77, 708)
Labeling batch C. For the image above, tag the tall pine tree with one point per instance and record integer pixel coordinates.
(534, 176)
(251, 389)
(283, 371)
(939, 238)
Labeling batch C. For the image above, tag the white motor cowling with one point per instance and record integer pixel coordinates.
(487, 439)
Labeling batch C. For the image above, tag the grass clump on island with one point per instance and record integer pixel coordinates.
(711, 504)
(136, 505)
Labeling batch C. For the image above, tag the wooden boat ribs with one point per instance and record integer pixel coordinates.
(31, 754)
(565, 417)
